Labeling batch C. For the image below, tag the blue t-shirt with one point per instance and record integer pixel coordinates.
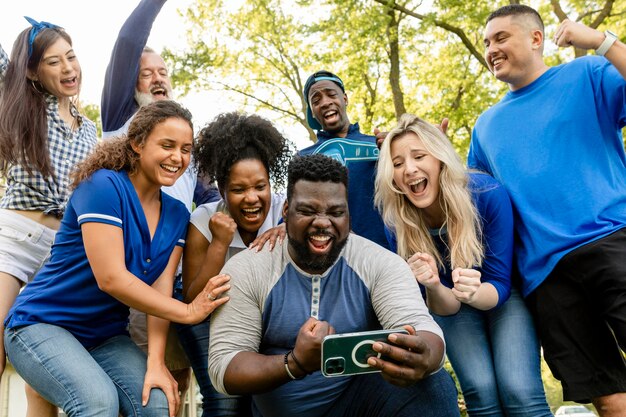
(359, 153)
(494, 209)
(65, 292)
(556, 146)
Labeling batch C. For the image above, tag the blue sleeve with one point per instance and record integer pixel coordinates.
(97, 199)
(205, 192)
(494, 207)
(118, 94)
(611, 93)
(475, 157)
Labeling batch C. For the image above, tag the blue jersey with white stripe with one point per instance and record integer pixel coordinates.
(65, 292)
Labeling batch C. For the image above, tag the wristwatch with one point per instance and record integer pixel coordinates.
(609, 40)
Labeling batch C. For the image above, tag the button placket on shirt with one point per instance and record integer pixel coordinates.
(315, 296)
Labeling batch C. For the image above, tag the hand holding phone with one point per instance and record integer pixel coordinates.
(410, 357)
(347, 353)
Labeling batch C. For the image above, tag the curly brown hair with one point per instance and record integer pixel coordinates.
(118, 154)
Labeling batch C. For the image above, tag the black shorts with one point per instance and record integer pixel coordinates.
(580, 315)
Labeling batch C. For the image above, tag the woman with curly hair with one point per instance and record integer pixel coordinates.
(241, 153)
(119, 245)
(42, 137)
(455, 229)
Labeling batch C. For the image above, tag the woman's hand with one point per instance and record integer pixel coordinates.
(223, 228)
(274, 235)
(208, 299)
(424, 269)
(158, 376)
(466, 284)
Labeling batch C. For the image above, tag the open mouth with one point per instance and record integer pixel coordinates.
(418, 186)
(320, 243)
(252, 214)
(70, 82)
(496, 62)
(170, 168)
(330, 115)
(158, 92)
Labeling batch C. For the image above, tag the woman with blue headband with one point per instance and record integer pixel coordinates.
(42, 137)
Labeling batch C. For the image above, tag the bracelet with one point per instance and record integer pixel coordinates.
(286, 360)
(298, 364)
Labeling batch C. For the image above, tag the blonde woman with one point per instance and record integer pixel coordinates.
(455, 229)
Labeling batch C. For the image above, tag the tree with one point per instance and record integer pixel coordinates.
(394, 56)
(92, 111)
(258, 52)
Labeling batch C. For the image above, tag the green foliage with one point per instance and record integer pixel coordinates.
(260, 52)
(92, 111)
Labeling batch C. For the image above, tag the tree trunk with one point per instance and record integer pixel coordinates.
(394, 63)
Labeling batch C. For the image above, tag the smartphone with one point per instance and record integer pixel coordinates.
(347, 353)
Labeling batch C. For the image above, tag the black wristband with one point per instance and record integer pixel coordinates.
(286, 361)
(298, 364)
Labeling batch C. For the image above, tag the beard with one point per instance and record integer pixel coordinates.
(143, 99)
(310, 262)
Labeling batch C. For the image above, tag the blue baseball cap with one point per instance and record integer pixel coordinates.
(318, 76)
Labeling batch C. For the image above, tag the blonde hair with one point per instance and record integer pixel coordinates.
(461, 220)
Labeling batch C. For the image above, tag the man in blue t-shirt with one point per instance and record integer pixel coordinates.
(326, 100)
(554, 142)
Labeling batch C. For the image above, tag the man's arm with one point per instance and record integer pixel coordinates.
(254, 373)
(475, 156)
(580, 36)
(118, 94)
(235, 364)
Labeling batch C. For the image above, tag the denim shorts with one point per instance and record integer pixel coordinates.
(24, 245)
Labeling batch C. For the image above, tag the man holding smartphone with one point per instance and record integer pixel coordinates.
(266, 341)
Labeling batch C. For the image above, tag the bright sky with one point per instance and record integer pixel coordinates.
(94, 25)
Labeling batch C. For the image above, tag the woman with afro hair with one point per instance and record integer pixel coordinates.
(241, 153)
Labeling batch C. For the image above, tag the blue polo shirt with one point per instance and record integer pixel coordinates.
(65, 292)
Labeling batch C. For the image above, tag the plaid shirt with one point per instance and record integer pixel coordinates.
(66, 147)
(4, 63)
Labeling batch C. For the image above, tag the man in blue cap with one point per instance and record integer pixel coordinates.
(326, 113)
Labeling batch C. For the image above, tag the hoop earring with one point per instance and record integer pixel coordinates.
(32, 82)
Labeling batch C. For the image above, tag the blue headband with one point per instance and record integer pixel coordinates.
(37, 27)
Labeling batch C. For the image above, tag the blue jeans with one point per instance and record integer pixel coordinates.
(495, 355)
(195, 341)
(102, 381)
(371, 396)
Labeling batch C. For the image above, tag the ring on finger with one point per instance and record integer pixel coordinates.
(211, 297)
